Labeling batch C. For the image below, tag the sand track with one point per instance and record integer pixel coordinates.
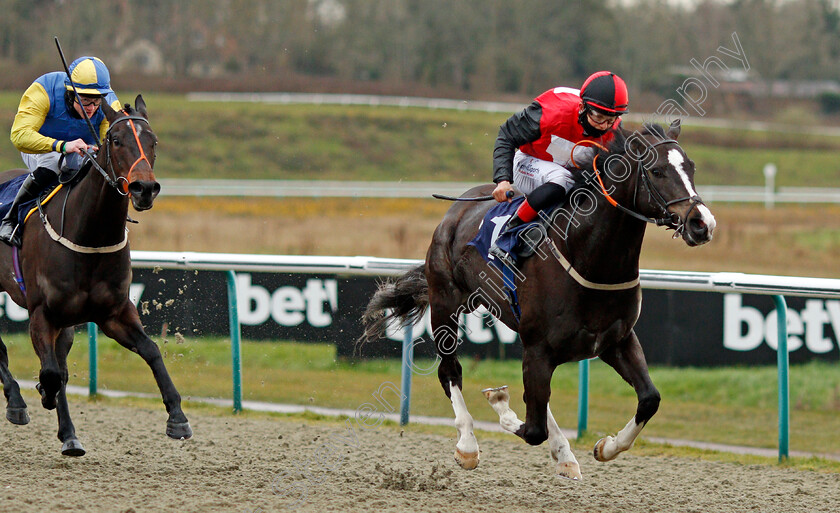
(238, 464)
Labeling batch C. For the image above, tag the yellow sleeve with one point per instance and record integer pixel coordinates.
(31, 114)
(103, 127)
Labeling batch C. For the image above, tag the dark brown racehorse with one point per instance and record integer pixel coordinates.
(579, 294)
(76, 268)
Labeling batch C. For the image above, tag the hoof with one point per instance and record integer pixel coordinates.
(46, 401)
(497, 394)
(178, 430)
(72, 447)
(598, 451)
(467, 461)
(17, 416)
(569, 470)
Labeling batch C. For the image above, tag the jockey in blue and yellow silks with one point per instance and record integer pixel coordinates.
(49, 123)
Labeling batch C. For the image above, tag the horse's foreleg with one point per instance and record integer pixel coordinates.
(561, 451)
(66, 431)
(15, 405)
(43, 336)
(126, 329)
(629, 361)
(536, 376)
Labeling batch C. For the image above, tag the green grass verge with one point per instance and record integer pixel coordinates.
(722, 405)
(273, 141)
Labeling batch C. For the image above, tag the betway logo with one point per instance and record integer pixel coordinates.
(745, 327)
(287, 306)
(477, 326)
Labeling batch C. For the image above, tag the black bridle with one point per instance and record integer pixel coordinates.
(666, 218)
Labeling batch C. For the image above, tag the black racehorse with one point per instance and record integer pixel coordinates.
(76, 268)
(579, 294)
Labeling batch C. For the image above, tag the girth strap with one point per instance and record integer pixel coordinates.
(82, 249)
(583, 281)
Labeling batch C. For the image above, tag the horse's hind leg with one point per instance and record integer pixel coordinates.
(15, 405)
(126, 329)
(466, 450)
(629, 361)
(66, 431)
(443, 303)
(561, 451)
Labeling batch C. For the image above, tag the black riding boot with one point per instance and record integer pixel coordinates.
(31, 188)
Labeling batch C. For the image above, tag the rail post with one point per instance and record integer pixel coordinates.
(407, 358)
(92, 359)
(235, 343)
(583, 397)
(783, 360)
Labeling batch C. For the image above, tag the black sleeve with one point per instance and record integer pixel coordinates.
(521, 128)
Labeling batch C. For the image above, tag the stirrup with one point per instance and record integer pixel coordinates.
(13, 237)
(503, 257)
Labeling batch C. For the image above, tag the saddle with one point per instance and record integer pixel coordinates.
(521, 243)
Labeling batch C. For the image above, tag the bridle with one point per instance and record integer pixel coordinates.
(120, 183)
(666, 218)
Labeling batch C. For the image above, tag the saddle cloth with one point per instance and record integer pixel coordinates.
(512, 242)
(9, 190)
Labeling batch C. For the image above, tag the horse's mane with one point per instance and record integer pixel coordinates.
(618, 146)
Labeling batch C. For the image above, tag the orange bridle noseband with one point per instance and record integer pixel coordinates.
(142, 156)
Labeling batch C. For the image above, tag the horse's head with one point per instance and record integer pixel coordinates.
(665, 189)
(130, 153)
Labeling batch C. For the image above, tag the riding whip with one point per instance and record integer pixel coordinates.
(78, 98)
(509, 194)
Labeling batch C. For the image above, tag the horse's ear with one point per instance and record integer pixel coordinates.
(140, 106)
(674, 129)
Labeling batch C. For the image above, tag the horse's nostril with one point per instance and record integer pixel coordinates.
(697, 225)
(135, 188)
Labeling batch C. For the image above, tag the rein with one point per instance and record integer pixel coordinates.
(667, 218)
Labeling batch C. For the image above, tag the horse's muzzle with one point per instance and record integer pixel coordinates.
(698, 224)
(143, 193)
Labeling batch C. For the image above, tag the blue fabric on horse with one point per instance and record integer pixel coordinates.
(8, 191)
(507, 241)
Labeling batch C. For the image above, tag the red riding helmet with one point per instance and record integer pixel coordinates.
(605, 91)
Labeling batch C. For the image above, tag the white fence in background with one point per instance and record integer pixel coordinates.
(346, 189)
(488, 106)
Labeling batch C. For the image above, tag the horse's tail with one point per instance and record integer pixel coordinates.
(407, 298)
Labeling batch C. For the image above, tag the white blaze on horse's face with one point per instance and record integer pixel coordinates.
(676, 159)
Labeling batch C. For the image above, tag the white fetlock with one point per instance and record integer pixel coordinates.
(466, 450)
(499, 399)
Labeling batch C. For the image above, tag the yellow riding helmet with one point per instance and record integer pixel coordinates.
(90, 76)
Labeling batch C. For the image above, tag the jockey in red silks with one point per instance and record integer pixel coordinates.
(534, 148)
(50, 124)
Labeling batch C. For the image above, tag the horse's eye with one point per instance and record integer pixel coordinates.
(116, 142)
(657, 172)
